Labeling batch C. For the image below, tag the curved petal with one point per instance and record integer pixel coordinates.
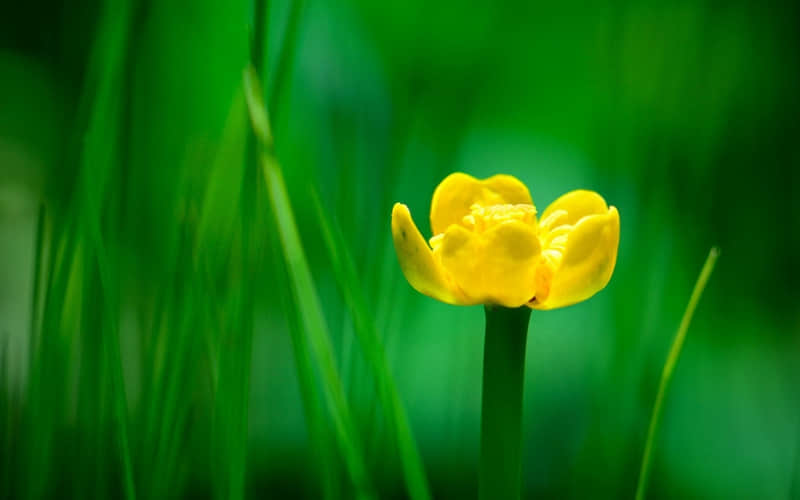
(588, 261)
(497, 267)
(459, 254)
(416, 259)
(509, 188)
(576, 205)
(455, 195)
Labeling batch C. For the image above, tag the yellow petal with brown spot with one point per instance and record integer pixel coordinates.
(416, 259)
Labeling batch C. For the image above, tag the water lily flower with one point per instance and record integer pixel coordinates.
(488, 247)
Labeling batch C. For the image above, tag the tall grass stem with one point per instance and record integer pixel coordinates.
(669, 369)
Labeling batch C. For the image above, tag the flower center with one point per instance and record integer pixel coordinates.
(483, 218)
(552, 232)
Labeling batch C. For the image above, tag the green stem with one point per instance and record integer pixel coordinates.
(669, 368)
(501, 411)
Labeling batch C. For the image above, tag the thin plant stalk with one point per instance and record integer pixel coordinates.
(669, 369)
(501, 408)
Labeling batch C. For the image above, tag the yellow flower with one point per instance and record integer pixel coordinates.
(489, 248)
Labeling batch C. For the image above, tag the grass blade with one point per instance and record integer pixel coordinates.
(100, 155)
(8, 420)
(79, 318)
(285, 60)
(370, 343)
(37, 280)
(315, 422)
(305, 295)
(222, 266)
(315, 327)
(312, 409)
(669, 368)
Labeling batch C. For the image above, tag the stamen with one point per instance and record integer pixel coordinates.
(552, 220)
(547, 237)
(559, 242)
(436, 241)
(468, 221)
(482, 218)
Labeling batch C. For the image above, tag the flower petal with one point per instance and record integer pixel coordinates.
(496, 267)
(577, 205)
(455, 195)
(459, 255)
(416, 259)
(509, 188)
(588, 261)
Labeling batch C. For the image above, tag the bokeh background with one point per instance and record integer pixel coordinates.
(148, 329)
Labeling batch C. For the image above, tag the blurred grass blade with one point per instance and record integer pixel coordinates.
(258, 115)
(315, 328)
(305, 375)
(75, 360)
(37, 281)
(367, 334)
(228, 302)
(49, 369)
(285, 60)
(315, 420)
(305, 295)
(669, 368)
(100, 156)
(8, 440)
(312, 410)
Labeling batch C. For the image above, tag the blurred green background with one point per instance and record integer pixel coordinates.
(150, 340)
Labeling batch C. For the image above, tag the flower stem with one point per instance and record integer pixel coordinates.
(501, 411)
